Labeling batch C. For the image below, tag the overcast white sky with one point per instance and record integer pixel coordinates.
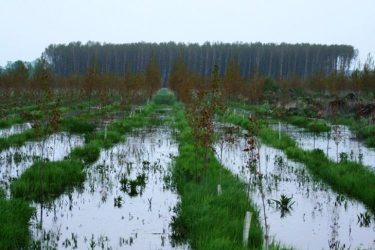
(27, 27)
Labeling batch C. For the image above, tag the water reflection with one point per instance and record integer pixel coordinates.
(125, 202)
(318, 219)
(15, 160)
(339, 140)
(14, 129)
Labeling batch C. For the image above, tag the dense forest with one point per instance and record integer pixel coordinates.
(281, 61)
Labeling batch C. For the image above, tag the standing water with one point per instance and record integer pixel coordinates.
(125, 202)
(317, 218)
(15, 129)
(333, 143)
(15, 160)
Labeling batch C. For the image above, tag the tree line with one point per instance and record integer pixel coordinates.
(280, 61)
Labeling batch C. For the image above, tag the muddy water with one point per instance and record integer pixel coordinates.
(332, 143)
(15, 160)
(15, 129)
(108, 213)
(319, 217)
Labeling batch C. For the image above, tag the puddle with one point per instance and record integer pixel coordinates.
(319, 217)
(14, 129)
(347, 143)
(125, 202)
(15, 160)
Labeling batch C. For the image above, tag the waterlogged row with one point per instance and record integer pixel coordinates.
(14, 161)
(338, 144)
(14, 129)
(126, 201)
(301, 213)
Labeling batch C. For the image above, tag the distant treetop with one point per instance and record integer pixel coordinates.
(276, 60)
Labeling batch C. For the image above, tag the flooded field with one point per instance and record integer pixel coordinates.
(14, 161)
(338, 140)
(317, 218)
(125, 202)
(15, 129)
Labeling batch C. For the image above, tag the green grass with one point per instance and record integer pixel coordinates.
(44, 181)
(207, 220)
(89, 153)
(14, 216)
(14, 221)
(262, 110)
(76, 125)
(367, 133)
(311, 125)
(349, 178)
(2, 193)
(17, 139)
(265, 110)
(5, 123)
(164, 97)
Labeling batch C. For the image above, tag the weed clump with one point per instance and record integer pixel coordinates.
(46, 180)
(78, 126)
(88, 153)
(133, 187)
(312, 125)
(164, 97)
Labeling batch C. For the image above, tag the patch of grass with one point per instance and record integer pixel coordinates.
(206, 219)
(111, 138)
(370, 142)
(271, 137)
(17, 139)
(88, 153)
(297, 120)
(262, 110)
(360, 127)
(5, 123)
(44, 181)
(237, 120)
(78, 126)
(346, 177)
(14, 221)
(2, 193)
(164, 97)
(311, 125)
(368, 134)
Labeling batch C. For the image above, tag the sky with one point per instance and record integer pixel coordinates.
(27, 27)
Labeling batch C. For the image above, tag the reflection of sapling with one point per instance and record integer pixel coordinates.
(285, 202)
(279, 160)
(360, 158)
(364, 219)
(118, 201)
(133, 187)
(253, 148)
(343, 157)
(337, 137)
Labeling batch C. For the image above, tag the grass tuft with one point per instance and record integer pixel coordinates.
(44, 181)
(78, 126)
